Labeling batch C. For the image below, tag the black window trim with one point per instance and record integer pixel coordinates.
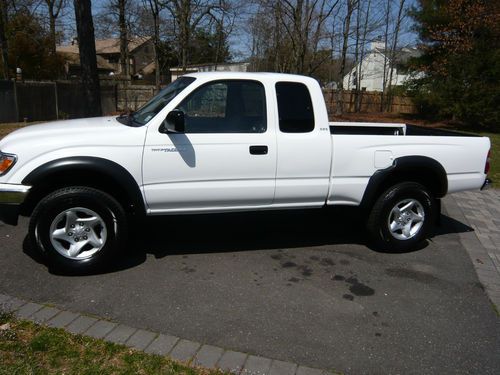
(231, 80)
(278, 110)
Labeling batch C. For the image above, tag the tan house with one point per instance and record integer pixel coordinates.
(141, 54)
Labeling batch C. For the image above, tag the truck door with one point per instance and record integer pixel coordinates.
(225, 158)
(304, 146)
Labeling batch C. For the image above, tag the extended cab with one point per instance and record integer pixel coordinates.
(221, 142)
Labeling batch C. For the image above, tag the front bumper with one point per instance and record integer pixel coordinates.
(11, 198)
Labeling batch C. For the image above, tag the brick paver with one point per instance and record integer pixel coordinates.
(27, 310)
(62, 319)
(185, 350)
(141, 339)
(481, 211)
(208, 356)
(120, 334)
(257, 366)
(162, 345)
(232, 361)
(100, 329)
(81, 324)
(45, 314)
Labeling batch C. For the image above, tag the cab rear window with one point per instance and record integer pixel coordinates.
(295, 108)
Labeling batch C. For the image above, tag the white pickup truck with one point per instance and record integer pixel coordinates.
(222, 142)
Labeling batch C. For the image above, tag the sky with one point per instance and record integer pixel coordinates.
(240, 40)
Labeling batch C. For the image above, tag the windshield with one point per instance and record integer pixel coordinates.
(158, 102)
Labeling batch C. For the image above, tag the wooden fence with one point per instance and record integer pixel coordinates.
(45, 101)
(370, 102)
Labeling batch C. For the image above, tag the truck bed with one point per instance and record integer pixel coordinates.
(397, 129)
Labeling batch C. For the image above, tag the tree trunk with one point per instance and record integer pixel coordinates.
(386, 38)
(156, 22)
(88, 60)
(52, 26)
(124, 58)
(184, 31)
(362, 57)
(347, 25)
(356, 56)
(392, 60)
(3, 39)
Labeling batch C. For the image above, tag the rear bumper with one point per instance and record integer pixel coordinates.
(487, 184)
(11, 198)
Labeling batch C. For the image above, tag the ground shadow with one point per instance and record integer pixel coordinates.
(247, 231)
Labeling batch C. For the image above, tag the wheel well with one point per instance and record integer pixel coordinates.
(88, 178)
(423, 177)
(425, 171)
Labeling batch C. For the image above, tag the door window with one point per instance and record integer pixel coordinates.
(295, 107)
(233, 106)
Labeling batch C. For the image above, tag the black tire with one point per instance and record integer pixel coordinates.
(378, 223)
(60, 201)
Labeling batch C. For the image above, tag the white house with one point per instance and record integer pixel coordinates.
(372, 68)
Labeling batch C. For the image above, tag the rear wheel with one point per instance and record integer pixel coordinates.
(78, 229)
(402, 217)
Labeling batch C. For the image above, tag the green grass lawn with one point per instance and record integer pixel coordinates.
(27, 348)
(494, 158)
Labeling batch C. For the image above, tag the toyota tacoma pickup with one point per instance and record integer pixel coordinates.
(223, 142)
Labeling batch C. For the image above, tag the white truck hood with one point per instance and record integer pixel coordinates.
(103, 137)
(81, 130)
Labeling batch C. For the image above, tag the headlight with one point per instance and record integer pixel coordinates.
(6, 162)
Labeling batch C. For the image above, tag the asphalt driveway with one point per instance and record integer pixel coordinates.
(296, 286)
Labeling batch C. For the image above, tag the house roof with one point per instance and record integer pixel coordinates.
(195, 67)
(106, 46)
(74, 59)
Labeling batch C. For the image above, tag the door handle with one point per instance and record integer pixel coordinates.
(258, 150)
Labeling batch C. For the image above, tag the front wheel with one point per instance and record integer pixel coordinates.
(78, 229)
(402, 217)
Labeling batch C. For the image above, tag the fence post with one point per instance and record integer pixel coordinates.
(57, 100)
(15, 101)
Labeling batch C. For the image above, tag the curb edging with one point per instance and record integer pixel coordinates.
(181, 350)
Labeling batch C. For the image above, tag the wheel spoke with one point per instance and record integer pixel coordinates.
(395, 226)
(76, 248)
(90, 221)
(407, 230)
(60, 234)
(71, 219)
(408, 206)
(416, 218)
(94, 240)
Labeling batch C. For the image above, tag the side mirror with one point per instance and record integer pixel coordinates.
(174, 123)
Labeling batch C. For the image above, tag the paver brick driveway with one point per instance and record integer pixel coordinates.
(295, 286)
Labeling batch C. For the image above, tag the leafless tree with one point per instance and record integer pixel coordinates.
(351, 4)
(122, 23)
(155, 7)
(298, 31)
(4, 49)
(187, 15)
(394, 46)
(88, 59)
(361, 37)
(54, 8)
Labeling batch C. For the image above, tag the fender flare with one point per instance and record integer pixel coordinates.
(71, 165)
(407, 164)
